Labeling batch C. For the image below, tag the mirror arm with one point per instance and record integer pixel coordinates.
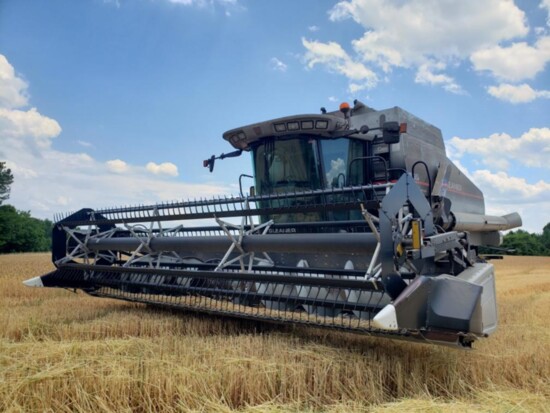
(343, 133)
(209, 163)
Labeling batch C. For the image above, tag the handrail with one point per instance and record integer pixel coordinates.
(376, 157)
(427, 175)
(241, 176)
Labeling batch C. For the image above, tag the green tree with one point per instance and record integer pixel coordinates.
(19, 232)
(545, 237)
(524, 243)
(6, 179)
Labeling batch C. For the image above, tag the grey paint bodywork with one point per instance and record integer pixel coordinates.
(465, 302)
(403, 266)
(422, 142)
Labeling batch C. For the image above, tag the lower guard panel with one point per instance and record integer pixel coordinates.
(303, 296)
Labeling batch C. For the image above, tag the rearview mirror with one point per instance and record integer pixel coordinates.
(391, 132)
(209, 163)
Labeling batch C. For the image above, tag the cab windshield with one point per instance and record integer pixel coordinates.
(286, 165)
(304, 163)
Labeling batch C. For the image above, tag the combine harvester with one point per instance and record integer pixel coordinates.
(357, 221)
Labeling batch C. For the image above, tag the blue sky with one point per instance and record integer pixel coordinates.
(117, 102)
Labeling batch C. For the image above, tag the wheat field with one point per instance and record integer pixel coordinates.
(67, 352)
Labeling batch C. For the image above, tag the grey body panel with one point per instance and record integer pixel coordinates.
(466, 302)
(388, 249)
(482, 274)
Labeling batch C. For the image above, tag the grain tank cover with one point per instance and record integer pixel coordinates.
(416, 127)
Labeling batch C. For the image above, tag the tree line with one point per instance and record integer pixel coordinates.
(20, 232)
(521, 242)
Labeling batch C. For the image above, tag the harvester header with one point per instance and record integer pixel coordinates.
(357, 221)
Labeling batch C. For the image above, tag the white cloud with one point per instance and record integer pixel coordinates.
(517, 93)
(516, 62)
(50, 181)
(13, 89)
(313, 28)
(62, 200)
(188, 2)
(406, 33)
(166, 168)
(426, 75)
(65, 181)
(425, 35)
(21, 171)
(505, 194)
(67, 161)
(532, 149)
(15, 123)
(510, 188)
(226, 5)
(545, 4)
(85, 144)
(333, 99)
(117, 166)
(278, 65)
(335, 59)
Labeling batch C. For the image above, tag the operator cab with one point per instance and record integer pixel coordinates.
(316, 152)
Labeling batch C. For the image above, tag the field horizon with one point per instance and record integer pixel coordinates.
(66, 352)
